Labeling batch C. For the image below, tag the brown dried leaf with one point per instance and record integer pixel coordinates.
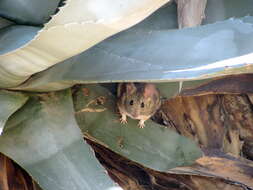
(12, 177)
(234, 84)
(214, 121)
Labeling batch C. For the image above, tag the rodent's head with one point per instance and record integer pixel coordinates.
(141, 101)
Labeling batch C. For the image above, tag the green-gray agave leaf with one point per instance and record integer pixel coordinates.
(157, 55)
(34, 12)
(44, 139)
(9, 102)
(218, 10)
(77, 26)
(5, 22)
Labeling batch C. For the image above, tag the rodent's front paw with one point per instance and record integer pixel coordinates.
(141, 123)
(123, 119)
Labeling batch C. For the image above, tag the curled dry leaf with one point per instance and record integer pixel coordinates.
(12, 177)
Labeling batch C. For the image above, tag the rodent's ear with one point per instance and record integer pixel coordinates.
(130, 88)
(149, 90)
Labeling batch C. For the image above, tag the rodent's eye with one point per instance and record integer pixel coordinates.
(142, 105)
(131, 102)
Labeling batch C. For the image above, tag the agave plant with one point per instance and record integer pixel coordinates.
(60, 62)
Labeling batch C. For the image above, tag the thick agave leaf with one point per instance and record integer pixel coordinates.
(10, 102)
(158, 55)
(10, 37)
(154, 146)
(76, 27)
(44, 139)
(218, 10)
(5, 22)
(28, 11)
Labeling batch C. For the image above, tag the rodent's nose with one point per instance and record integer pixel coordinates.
(135, 114)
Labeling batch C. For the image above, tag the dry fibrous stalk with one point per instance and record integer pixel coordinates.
(132, 176)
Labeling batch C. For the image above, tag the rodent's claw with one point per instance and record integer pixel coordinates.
(123, 119)
(141, 124)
